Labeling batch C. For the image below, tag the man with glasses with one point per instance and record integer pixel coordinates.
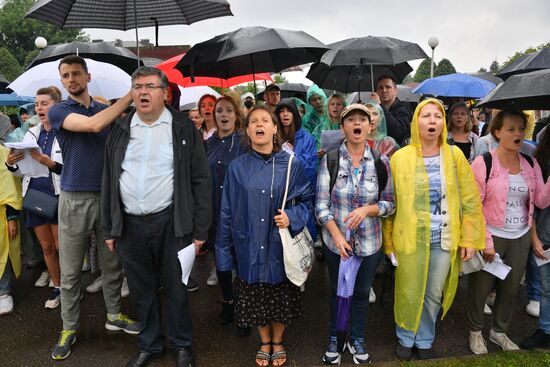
(156, 200)
(82, 126)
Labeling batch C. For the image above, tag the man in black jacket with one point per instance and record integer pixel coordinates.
(156, 201)
(398, 114)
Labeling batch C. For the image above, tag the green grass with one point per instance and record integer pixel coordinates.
(519, 359)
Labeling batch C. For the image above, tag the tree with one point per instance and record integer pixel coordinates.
(494, 68)
(482, 70)
(408, 79)
(423, 71)
(17, 34)
(518, 54)
(9, 67)
(278, 78)
(444, 67)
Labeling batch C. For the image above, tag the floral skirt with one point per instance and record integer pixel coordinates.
(262, 303)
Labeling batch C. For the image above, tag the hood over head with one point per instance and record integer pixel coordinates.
(291, 105)
(415, 137)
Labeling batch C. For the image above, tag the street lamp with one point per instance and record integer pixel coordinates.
(40, 42)
(432, 42)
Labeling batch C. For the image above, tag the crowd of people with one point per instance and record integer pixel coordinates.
(422, 187)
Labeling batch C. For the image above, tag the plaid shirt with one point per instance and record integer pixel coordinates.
(352, 191)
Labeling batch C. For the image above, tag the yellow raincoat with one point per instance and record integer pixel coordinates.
(407, 232)
(10, 194)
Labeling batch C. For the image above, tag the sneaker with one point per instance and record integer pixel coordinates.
(372, 296)
(332, 356)
(124, 290)
(403, 353)
(477, 343)
(533, 308)
(538, 340)
(63, 347)
(502, 340)
(53, 301)
(487, 310)
(425, 353)
(95, 286)
(212, 278)
(359, 351)
(192, 286)
(6, 304)
(491, 299)
(124, 323)
(43, 280)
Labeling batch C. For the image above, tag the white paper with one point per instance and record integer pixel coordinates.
(476, 263)
(497, 268)
(29, 166)
(541, 262)
(393, 259)
(186, 257)
(331, 139)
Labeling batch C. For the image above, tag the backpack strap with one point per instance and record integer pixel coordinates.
(528, 159)
(488, 159)
(333, 164)
(381, 172)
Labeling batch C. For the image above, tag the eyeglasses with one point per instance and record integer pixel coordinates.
(149, 86)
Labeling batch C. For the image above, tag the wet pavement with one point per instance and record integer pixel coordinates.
(29, 333)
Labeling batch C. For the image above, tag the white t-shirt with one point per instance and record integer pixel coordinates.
(434, 177)
(516, 222)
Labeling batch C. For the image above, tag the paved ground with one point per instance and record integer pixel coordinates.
(28, 334)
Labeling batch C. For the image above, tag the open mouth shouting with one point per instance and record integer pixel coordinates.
(357, 131)
(260, 133)
(517, 141)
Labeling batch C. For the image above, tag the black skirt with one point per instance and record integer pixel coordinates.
(262, 303)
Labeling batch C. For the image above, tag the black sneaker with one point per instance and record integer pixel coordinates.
(538, 340)
(403, 353)
(425, 353)
(192, 286)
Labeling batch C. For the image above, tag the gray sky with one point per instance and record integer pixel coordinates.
(472, 33)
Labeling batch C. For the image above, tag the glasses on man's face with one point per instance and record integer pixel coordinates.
(149, 86)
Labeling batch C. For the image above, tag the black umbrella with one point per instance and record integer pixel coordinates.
(126, 14)
(530, 91)
(250, 50)
(527, 63)
(289, 90)
(99, 51)
(487, 76)
(354, 78)
(371, 50)
(4, 85)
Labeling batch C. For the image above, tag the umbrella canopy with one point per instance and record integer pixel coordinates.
(107, 80)
(251, 50)
(175, 76)
(289, 90)
(487, 76)
(99, 51)
(404, 93)
(527, 63)
(455, 85)
(353, 78)
(530, 91)
(347, 273)
(13, 99)
(190, 96)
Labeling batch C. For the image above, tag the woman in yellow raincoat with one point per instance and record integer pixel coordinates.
(10, 203)
(438, 222)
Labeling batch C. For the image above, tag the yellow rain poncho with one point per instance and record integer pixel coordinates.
(10, 194)
(407, 232)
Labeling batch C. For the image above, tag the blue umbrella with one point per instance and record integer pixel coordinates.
(455, 85)
(347, 273)
(13, 99)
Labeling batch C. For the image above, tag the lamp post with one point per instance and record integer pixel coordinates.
(40, 42)
(432, 42)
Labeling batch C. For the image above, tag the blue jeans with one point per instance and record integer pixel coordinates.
(544, 317)
(532, 278)
(6, 279)
(440, 263)
(360, 300)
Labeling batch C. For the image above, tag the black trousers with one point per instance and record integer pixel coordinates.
(148, 253)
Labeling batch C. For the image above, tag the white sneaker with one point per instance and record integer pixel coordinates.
(212, 278)
(502, 340)
(477, 343)
(95, 286)
(124, 290)
(53, 301)
(491, 299)
(6, 304)
(42, 281)
(487, 310)
(372, 296)
(533, 308)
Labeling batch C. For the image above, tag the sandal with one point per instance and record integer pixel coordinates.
(278, 356)
(263, 356)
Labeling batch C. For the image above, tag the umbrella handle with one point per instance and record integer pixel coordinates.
(371, 78)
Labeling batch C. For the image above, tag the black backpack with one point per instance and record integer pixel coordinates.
(488, 159)
(333, 164)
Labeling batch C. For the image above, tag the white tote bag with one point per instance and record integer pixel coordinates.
(298, 250)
